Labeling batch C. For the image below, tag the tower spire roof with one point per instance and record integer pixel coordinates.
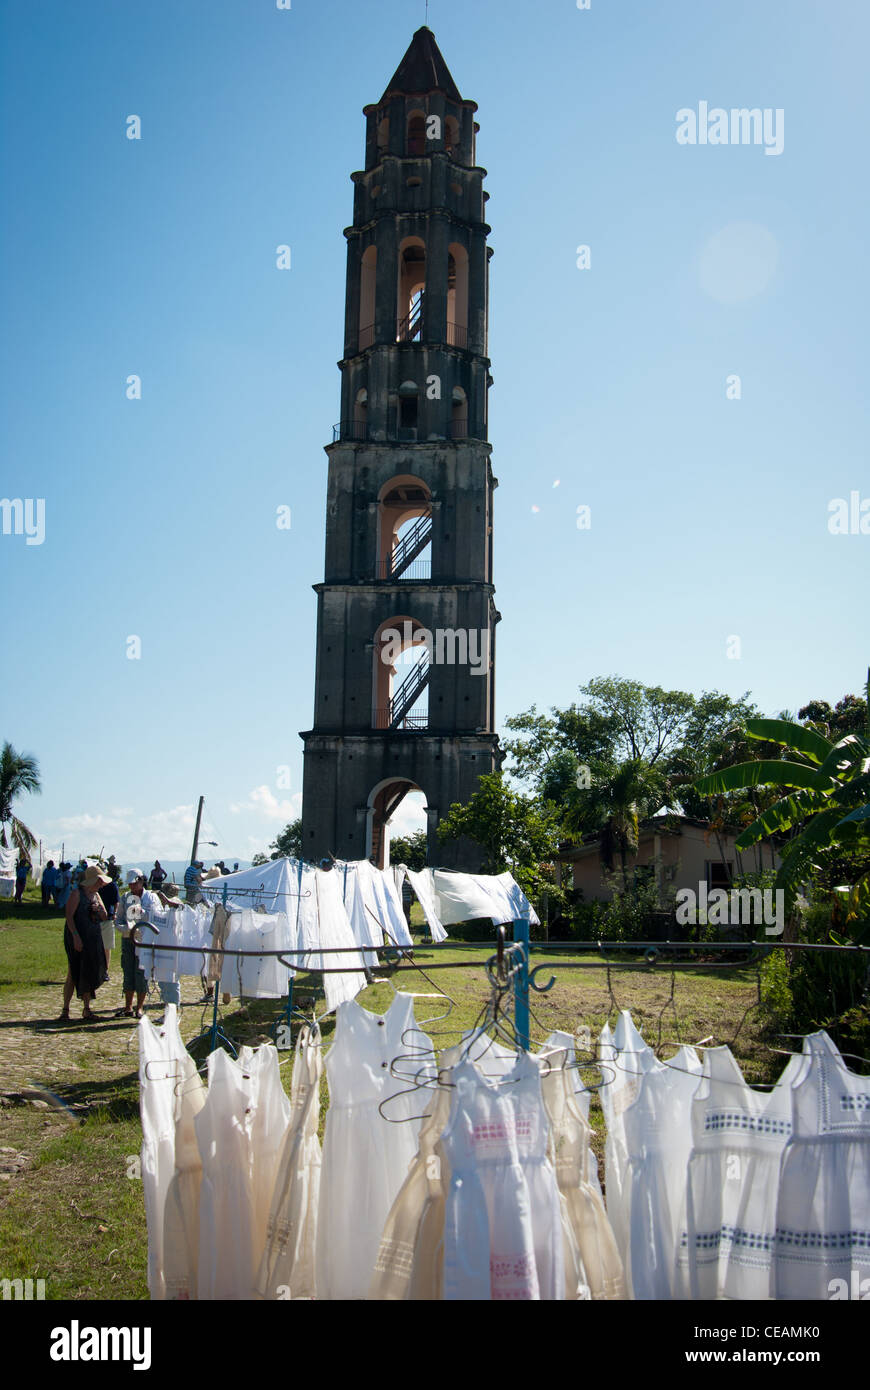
(422, 70)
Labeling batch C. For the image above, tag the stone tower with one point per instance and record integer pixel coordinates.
(405, 678)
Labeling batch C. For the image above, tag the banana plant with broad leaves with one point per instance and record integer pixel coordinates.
(825, 803)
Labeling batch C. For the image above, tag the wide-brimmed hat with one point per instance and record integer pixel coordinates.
(213, 873)
(93, 876)
(170, 892)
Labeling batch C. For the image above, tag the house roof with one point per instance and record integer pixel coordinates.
(422, 70)
(671, 824)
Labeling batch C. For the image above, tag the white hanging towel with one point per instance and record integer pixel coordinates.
(465, 897)
(423, 886)
(323, 922)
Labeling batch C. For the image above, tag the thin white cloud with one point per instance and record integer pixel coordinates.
(263, 802)
(163, 834)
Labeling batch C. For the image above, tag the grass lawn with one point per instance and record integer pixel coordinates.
(71, 1206)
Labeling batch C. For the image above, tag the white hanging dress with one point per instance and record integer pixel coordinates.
(287, 1267)
(181, 1214)
(270, 1118)
(365, 1157)
(726, 1248)
(223, 1133)
(503, 1226)
(658, 1139)
(164, 1066)
(626, 1059)
(823, 1210)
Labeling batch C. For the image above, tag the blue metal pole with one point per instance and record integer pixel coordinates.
(521, 985)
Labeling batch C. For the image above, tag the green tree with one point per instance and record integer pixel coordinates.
(825, 808)
(515, 833)
(288, 845)
(19, 773)
(258, 860)
(410, 850)
(668, 737)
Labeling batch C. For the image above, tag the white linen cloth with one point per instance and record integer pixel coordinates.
(257, 976)
(466, 897)
(423, 886)
(823, 1209)
(365, 1157)
(162, 965)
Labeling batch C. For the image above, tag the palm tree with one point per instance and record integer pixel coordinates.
(632, 791)
(19, 772)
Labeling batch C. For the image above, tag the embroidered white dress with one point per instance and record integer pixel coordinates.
(823, 1212)
(503, 1226)
(365, 1158)
(726, 1248)
(287, 1266)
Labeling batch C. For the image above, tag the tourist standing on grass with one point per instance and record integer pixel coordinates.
(47, 883)
(135, 903)
(193, 881)
(22, 869)
(130, 911)
(110, 896)
(83, 942)
(158, 876)
(62, 885)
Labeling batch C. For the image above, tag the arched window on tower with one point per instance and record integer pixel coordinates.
(409, 405)
(457, 296)
(412, 289)
(368, 282)
(459, 417)
(416, 134)
(383, 136)
(401, 676)
(451, 136)
(405, 530)
(360, 415)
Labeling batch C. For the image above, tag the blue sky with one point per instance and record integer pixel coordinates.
(157, 257)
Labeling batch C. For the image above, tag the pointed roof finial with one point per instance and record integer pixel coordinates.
(422, 70)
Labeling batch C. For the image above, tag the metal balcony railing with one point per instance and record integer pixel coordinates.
(393, 433)
(418, 572)
(412, 544)
(413, 722)
(457, 335)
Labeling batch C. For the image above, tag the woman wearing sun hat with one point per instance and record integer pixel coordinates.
(83, 941)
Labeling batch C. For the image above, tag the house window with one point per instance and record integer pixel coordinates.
(719, 874)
